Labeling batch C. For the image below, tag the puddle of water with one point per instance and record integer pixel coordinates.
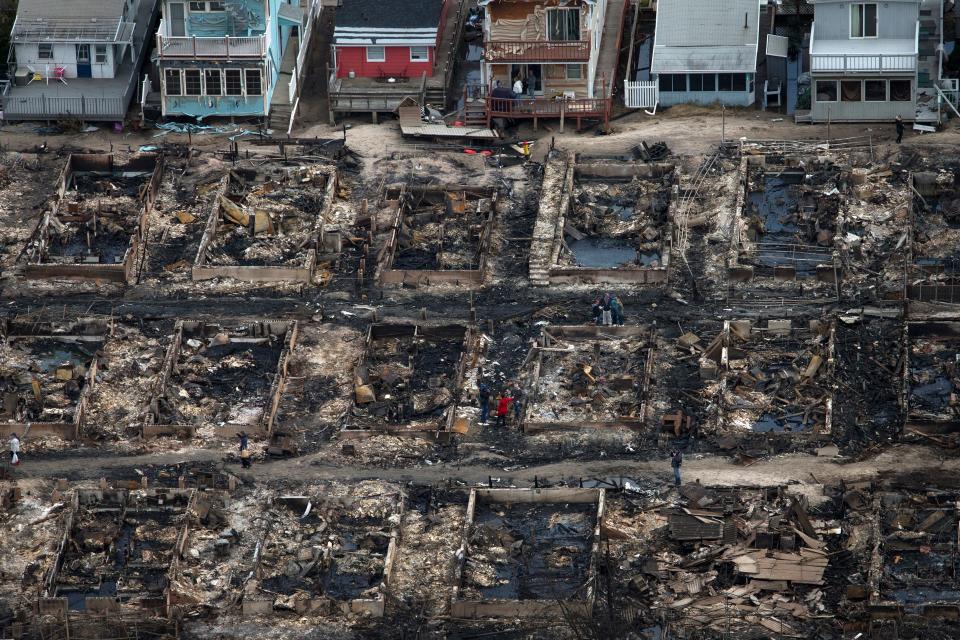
(768, 423)
(933, 394)
(602, 253)
(777, 205)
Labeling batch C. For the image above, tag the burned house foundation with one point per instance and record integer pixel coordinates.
(269, 225)
(49, 370)
(557, 533)
(439, 235)
(220, 380)
(409, 380)
(773, 382)
(97, 224)
(588, 377)
(787, 232)
(603, 223)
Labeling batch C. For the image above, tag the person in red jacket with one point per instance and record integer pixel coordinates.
(503, 408)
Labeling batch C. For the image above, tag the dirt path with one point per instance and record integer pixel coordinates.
(710, 470)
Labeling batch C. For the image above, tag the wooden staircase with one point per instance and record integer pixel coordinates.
(475, 113)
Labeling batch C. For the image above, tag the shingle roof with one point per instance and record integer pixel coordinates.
(706, 35)
(91, 20)
(392, 14)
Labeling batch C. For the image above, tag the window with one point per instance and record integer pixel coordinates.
(101, 53)
(215, 6)
(171, 78)
(863, 20)
(751, 79)
(875, 90)
(901, 91)
(192, 82)
(213, 81)
(233, 82)
(198, 6)
(254, 84)
(376, 54)
(673, 82)
(419, 54)
(725, 82)
(703, 82)
(45, 51)
(574, 72)
(739, 82)
(826, 90)
(563, 24)
(851, 91)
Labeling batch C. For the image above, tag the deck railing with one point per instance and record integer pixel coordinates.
(181, 47)
(537, 51)
(548, 107)
(863, 62)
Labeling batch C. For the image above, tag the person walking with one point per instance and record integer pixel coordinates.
(616, 311)
(899, 129)
(484, 397)
(14, 449)
(503, 408)
(676, 459)
(244, 449)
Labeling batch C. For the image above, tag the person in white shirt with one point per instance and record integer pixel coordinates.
(518, 87)
(14, 449)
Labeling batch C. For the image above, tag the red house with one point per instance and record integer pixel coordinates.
(387, 38)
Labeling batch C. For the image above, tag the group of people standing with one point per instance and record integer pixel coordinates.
(511, 396)
(608, 310)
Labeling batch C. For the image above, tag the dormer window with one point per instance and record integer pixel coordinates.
(863, 20)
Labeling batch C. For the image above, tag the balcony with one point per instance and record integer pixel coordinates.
(224, 47)
(885, 56)
(537, 51)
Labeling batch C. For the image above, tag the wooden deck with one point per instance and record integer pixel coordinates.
(427, 130)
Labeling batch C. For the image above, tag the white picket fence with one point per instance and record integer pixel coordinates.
(641, 95)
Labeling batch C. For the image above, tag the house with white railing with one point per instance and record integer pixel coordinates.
(706, 52)
(874, 61)
(233, 58)
(76, 61)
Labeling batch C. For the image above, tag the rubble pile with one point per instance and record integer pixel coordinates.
(589, 381)
(333, 545)
(733, 560)
(25, 183)
(407, 380)
(42, 378)
(270, 218)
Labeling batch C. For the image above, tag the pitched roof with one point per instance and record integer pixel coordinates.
(706, 35)
(389, 14)
(51, 20)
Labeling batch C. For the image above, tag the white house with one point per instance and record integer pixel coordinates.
(77, 59)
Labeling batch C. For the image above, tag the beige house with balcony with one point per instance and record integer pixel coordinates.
(562, 54)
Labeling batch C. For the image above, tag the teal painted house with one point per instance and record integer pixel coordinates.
(241, 58)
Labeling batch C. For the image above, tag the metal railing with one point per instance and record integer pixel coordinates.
(537, 51)
(180, 47)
